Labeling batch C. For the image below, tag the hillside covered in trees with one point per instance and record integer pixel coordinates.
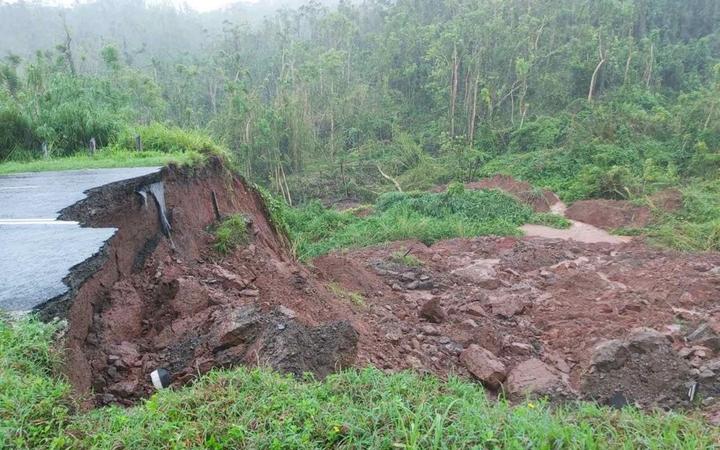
(449, 223)
(593, 99)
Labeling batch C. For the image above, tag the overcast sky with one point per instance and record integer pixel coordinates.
(200, 5)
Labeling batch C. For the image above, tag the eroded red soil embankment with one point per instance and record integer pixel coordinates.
(149, 302)
(617, 323)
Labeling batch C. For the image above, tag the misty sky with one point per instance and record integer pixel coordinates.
(199, 5)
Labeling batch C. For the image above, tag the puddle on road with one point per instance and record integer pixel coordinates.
(578, 231)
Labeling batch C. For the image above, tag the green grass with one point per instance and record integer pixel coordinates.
(428, 217)
(695, 227)
(406, 259)
(34, 406)
(355, 298)
(230, 234)
(161, 145)
(103, 159)
(359, 409)
(550, 220)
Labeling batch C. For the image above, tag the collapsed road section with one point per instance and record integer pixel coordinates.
(157, 296)
(38, 250)
(615, 322)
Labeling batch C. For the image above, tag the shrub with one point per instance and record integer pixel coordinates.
(15, 132)
(428, 217)
(33, 399)
(168, 139)
(230, 234)
(541, 134)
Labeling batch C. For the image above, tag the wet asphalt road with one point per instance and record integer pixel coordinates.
(37, 251)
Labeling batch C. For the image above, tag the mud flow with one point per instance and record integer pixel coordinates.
(617, 322)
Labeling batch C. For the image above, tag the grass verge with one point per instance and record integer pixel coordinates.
(34, 407)
(256, 408)
(428, 217)
(103, 159)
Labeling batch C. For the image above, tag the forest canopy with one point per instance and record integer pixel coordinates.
(609, 98)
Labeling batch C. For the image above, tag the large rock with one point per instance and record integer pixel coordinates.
(507, 307)
(643, 368)
(646, 340)
(610, 355)
(433, 312)
(484, 366)
(481, 273)
(534, 378)
(246, 335)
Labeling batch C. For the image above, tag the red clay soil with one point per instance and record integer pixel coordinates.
(176, 304)
(539, 200)
(609, 214)
(535, 299)
(523, 315)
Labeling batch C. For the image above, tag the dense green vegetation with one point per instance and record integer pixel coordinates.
(592, 99)
(34, 402)
(428, 217)
(230, 234)
(255, 408)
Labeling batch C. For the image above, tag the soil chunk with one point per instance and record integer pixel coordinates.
(643, 368)
(433, 312)
(484, 366)
(534, 378)
(609, 214)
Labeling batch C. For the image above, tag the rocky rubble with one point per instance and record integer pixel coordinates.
(642, 368)
(523, 316)
(543, 317)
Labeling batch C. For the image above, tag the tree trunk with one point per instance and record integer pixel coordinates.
(474, 109)
(627, 66)
(67, 50)
(593, 80)
(389, 178)
(453, 91)
(649, 70)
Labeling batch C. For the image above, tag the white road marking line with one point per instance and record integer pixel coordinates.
(36, 222)
(18, 187)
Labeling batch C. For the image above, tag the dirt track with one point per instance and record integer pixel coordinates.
(522, 316)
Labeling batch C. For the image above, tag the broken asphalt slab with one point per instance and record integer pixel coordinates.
(36, 250)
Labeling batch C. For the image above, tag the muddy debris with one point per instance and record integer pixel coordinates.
(609, 214)
(525, 316)
(433, 311)
(642, 368)
(548, 305)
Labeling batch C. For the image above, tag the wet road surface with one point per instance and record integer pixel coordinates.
(36, 250)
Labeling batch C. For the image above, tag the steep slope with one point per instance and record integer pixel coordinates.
(158, 296)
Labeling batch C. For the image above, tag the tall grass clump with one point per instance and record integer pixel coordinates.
(428, 217)
(34, 406)
(231, 233)
(161, 138)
